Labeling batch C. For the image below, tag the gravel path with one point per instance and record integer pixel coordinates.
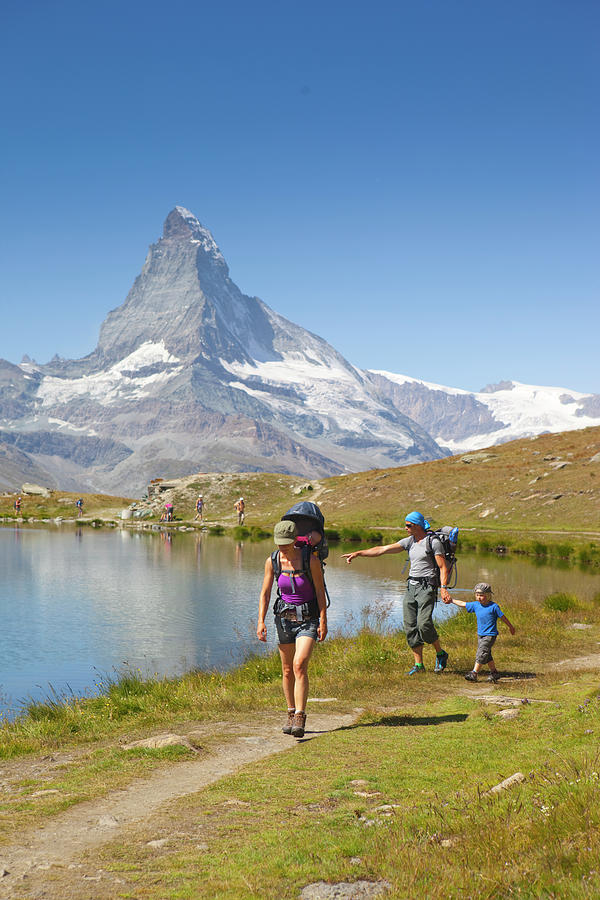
(66, 836)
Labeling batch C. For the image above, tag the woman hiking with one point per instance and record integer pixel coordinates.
(300, 617)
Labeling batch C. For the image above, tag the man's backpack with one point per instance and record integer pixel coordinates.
(448, 538)
(307, 517)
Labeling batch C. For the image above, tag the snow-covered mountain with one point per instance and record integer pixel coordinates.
(461, 420)
(191, 375)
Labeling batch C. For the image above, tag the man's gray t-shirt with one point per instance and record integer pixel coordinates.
(422, 563)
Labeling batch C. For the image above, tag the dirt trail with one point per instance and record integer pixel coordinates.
(66, 836)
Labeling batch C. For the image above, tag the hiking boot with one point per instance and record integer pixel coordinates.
(418, 667)
(298, 724)
(494, 677)
(471, 676)
(287, 728)
(440, 661)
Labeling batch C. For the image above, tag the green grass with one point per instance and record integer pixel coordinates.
(427, 826)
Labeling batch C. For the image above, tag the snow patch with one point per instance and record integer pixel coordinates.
(116, 383)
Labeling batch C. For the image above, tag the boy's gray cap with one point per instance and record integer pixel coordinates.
(483, 588)
(285, 532)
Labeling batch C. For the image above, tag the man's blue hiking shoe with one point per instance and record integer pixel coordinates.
(440, 662)
(418, 667)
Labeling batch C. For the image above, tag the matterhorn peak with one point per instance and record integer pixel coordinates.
(182, 225)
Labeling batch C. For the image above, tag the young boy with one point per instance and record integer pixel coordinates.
(487, 613)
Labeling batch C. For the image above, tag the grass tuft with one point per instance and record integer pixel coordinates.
(560, 601)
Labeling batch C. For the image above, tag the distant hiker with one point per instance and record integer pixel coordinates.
(300, 618)
(168, 511)
(428, 569)
(240, 507)
(199, 508)
(487, 613)
(17, 506)
(79, 505)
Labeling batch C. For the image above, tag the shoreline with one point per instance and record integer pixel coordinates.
(575, 547)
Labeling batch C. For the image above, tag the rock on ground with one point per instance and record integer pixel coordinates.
(344, 890)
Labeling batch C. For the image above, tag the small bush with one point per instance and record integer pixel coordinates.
(216, 529)
(332, 535)
(351, 534)
(562, 551)
(259, 534)
(485, 546)
(587, 555)
(560, 601)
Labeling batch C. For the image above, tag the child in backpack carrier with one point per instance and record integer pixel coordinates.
(309, 540)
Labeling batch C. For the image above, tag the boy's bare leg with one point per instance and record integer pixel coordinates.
(418, 654)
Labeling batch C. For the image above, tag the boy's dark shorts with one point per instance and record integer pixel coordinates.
(485, 642)
(287, 631)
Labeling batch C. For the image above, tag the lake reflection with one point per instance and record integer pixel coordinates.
(77, 604)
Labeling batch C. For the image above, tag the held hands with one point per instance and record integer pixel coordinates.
(349, 557)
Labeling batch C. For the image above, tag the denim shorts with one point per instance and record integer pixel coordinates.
(287, 631)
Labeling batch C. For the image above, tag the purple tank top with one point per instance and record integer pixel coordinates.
(295, 587)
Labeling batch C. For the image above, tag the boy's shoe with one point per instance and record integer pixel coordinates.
(494, 676)
(418, 667)
(298, 725)
(471, 676)
(287, 728)
(440, 662)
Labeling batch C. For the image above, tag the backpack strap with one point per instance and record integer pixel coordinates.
(431, 534)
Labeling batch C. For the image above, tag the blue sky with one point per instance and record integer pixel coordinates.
(416, 182)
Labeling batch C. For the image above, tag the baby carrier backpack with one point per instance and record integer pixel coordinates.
(307, 517)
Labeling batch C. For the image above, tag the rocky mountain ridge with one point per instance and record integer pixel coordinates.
(190, 375)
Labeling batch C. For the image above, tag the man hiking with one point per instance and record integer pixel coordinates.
(240, 508)
(428, 569)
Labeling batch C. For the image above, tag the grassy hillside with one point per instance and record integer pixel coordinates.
(548, 483)
(543, 484)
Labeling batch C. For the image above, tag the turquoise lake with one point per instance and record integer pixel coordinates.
(78, 605)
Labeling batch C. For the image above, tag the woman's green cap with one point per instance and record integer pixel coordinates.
(285, 532)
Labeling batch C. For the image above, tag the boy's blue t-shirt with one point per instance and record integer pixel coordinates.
(487, 617)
